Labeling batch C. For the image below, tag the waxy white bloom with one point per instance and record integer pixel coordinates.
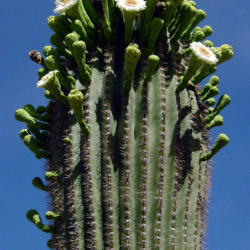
(203, 53)
(45, 79)
(63, 5)
(131, 5)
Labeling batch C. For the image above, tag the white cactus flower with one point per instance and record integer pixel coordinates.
(45, 79)
(203, 53)
(63, 5)
(131, 5)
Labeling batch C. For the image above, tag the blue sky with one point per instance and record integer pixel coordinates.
(24, 27)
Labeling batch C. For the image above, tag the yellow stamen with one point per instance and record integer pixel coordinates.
(65, 2)
(131, 2)
(205, 52)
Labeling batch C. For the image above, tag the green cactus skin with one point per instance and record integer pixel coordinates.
(125, 135)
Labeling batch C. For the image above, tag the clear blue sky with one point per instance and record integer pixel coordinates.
(24, 27)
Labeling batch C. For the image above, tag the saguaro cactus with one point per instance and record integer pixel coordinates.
(126, 130)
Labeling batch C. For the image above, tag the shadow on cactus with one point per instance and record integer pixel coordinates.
(126, 130)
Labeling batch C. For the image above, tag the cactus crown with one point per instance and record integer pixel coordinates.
(126, 130)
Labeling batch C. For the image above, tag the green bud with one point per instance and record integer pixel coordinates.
(197, 35)
(156, 26)
(75, 99)
(50, 62)
(206, 88)
(79, 50)
(193, 3)
(53, 62)
(221, 141)
(216, 51)
(211, 93)
(200, 15)
(48, 50)
(34, 147)
(23, 116)
(226, 52)
(33, 112)
(132, 56)
(58, 42)
(33, 216)
(78, 27)
(71, 38)
(153, 62)
(210, 102)
(42, 72)
(187, 13)
(51, 215)
(23, 133)
(50, 175)
(214, 81)
(207, 30)
(42, 109)
(217, 121)
(67, 140)
(59, 24)
(38, 183)
(222, 103)
(210, 110)
(208, 43)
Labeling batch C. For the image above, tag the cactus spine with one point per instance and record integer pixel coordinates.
(125, 132)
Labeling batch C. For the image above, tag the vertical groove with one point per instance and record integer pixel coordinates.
(195, 165)
(55, 165)
(155, 99)
(183, 154)
(164, 85)
(170, 186)
(125, 178)
(109, 175)
(76, 164)
(69, 198)
(87, 182)
(144, 148)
